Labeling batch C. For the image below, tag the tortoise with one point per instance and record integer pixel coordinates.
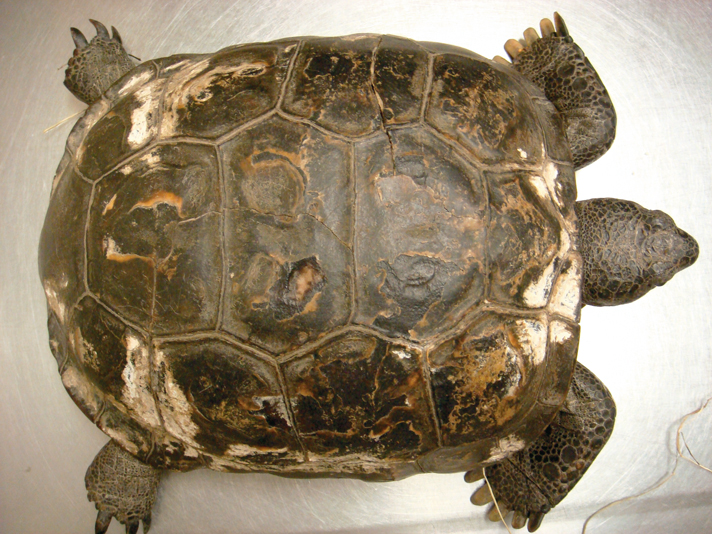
(345, 257)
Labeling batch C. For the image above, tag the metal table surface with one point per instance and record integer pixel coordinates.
(654, 354)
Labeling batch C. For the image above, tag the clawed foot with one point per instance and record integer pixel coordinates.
(95, 64)
(525, 502)
(123, 488)
(515, 48)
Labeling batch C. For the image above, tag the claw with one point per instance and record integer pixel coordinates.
(561, 28)
(530, 36)
(102, 522)
(132, 526)
(519, 520)
(78, 37)
(513, 48)
(535, 521)
(547, 27)
(482, 496)
(115, 35)
(494, 514)
(146, 523)
(101, 31)
(476, 474)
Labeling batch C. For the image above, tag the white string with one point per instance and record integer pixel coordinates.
(669, 476)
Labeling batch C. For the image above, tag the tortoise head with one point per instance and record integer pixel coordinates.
(628, 250)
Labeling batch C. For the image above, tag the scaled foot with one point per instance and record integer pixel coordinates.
(559, 67)
(533, 481)
(122, 487)
(97, 64)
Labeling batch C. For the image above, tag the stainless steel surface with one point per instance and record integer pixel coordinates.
(654, 355)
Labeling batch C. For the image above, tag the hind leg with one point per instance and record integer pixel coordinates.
(122, 487)
(560, 68)
(96, 64)
(537, 478)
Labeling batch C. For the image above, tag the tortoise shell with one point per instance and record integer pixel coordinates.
(316, 257)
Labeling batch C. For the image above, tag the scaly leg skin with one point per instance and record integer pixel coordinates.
(559, 67)
(96, 65)
(536, 479)
(122, 487)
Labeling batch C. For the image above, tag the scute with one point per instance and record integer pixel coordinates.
(224, 402)
(61, 251)
(131, 125)
(225, 90)
(421, 219)
(153, 244)
(287, 238)
(486, 379)
(485, 110)
(331, 85)
(359, 396)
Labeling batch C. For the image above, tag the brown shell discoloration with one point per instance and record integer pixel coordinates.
(331, 85)
(340, 256)
(359, 395)
(487, 379)
(485, 110)
(225, 90)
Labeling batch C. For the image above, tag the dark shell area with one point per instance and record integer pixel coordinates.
(324, 256)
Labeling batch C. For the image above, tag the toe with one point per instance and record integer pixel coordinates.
(132, 526)
(530, 36)
(496, 515)
(547, 28)
(501, 61)
(103, 519)
(561, 28)
(535, 520)
(519, 520)
(474, 474)
(482, 496)
(513, 48)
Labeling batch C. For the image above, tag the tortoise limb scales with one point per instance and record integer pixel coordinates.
(122, 487)
(96, 64)
(536, 479)
(559, 67)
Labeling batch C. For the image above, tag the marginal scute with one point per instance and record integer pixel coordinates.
(359, 395)
(61, 250)
(331, 85)
(400, 75)
(131, 124)
(560, 361)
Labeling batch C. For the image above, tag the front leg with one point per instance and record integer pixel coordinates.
(560, 68)
(537, 478)
(122, 487)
